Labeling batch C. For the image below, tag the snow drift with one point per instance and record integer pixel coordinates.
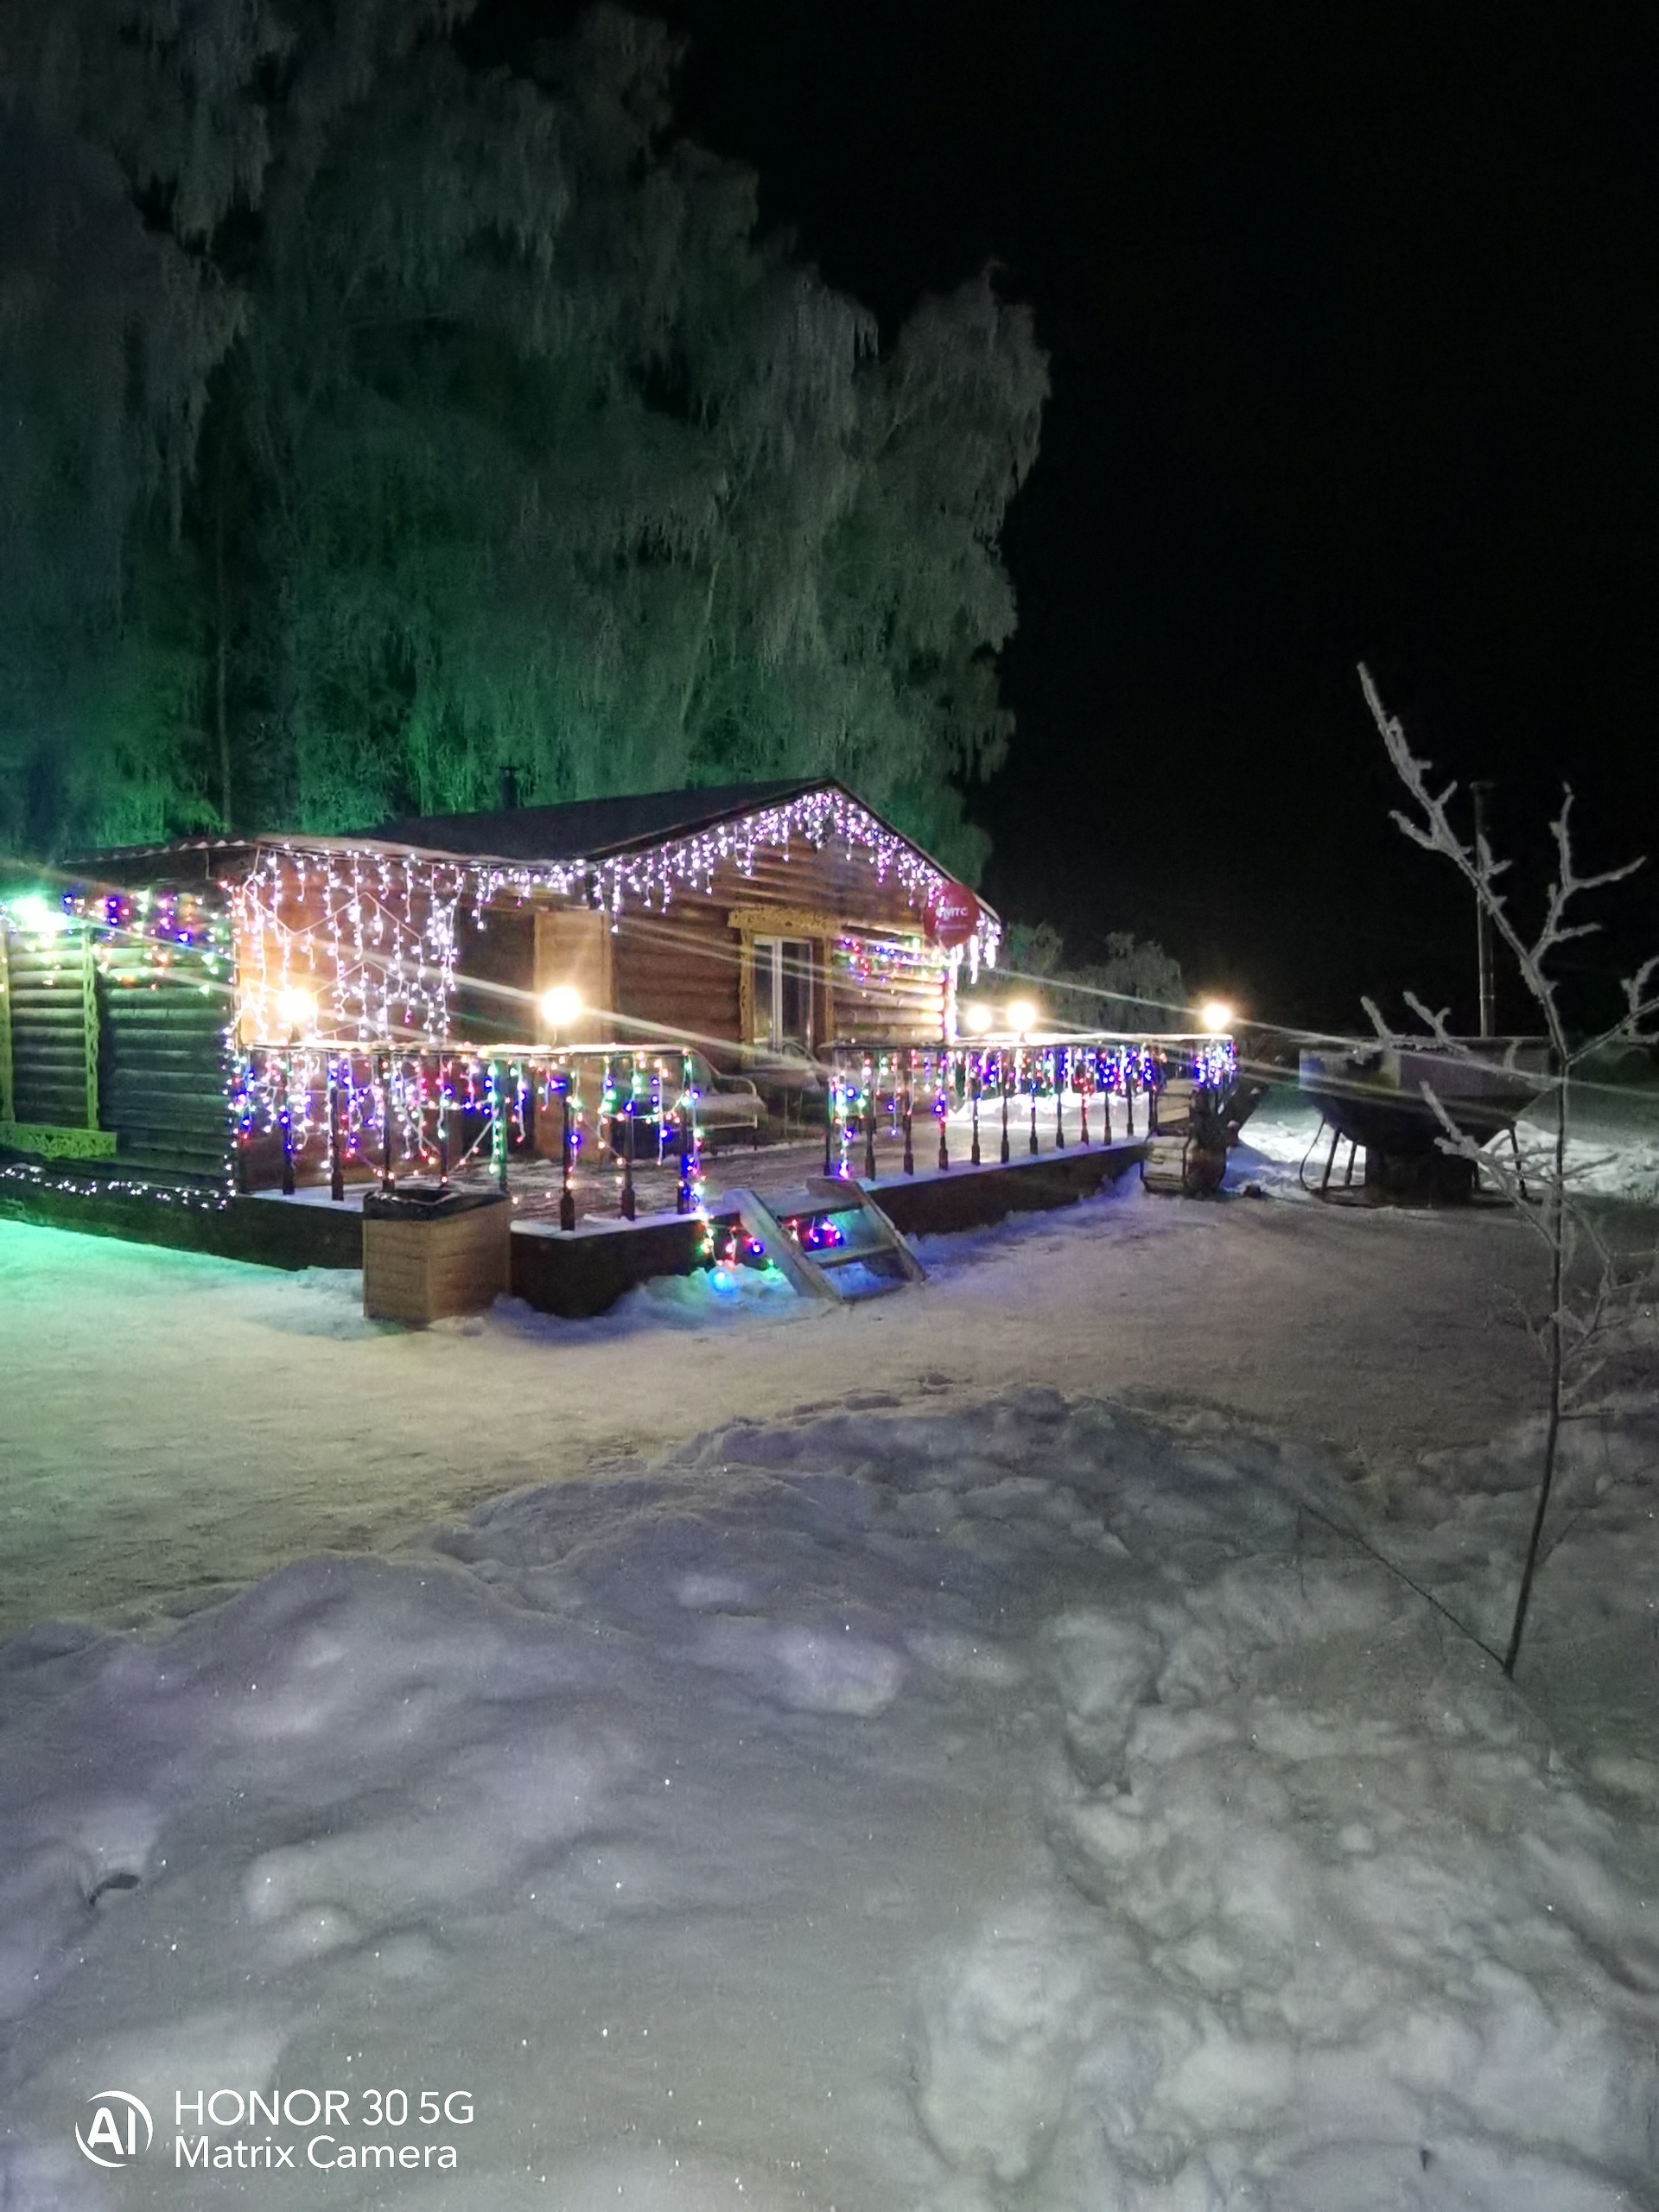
(1031, 1809)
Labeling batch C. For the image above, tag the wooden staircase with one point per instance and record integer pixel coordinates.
(1177, 1163)
(830, 1238)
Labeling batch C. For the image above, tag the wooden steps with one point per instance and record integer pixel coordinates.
(830, 1239)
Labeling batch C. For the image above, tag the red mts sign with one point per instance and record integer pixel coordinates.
(952, 915)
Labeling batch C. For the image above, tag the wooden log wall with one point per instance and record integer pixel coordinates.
(53, 1029)
(102, 1041)
(684, 968)
(884, 999)
(163, 1062)
(838, 880)
(495, 975)
(680, 969)
(385, 979)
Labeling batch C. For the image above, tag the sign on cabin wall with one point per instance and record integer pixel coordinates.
(952, 916)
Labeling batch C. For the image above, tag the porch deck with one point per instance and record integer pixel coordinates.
(561, 1270)
(584, 1271)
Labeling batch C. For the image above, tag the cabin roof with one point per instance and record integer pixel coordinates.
(597, 830)
(589, 829)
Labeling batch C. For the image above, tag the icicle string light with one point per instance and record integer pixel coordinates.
(371, 932)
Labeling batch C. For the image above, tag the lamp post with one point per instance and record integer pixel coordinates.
(1478, 791)
(683, 1197)
(498, 1128)
(385, 1121)
(559, 1007)
(288, 1122)
(1022, 1020)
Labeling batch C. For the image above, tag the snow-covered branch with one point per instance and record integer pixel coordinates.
(1585, 1316)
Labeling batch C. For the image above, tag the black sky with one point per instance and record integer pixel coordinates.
(1355, 353)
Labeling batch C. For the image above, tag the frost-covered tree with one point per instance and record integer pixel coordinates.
(124, 137)
(1592, 1292)
(511, 443)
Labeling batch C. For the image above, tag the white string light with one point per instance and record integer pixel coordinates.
(386, 920)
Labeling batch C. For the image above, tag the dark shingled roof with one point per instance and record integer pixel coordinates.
(593, 829)
(589, 829)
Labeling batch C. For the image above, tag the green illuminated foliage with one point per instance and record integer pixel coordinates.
(1137, 987)
(502, 440)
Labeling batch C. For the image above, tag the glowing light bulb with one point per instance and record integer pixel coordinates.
(561, 1005)
(976, 1017)
(38, 916)
(1216, 1015)
(1022, 1016)
(296, 1007)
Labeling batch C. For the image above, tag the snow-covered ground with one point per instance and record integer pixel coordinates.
(749, 1756)
(1037, 1808)
(176, 1425)
(1613, 1142)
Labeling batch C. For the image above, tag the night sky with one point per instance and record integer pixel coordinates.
(1355, 353)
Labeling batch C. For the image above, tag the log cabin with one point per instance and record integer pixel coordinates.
(155, 1002)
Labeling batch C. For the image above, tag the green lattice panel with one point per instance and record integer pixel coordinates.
(47, 1143)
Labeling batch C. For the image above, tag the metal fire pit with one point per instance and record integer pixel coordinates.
(1371, 1094)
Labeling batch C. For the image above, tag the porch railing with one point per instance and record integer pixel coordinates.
(352, 1111)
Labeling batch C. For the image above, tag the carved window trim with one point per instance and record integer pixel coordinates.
(822, 930)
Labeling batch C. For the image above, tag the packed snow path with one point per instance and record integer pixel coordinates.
(1022, 1809)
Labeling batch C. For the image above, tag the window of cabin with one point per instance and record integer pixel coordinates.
(783, 991)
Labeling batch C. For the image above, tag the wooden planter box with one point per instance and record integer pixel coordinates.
(426, 1257)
